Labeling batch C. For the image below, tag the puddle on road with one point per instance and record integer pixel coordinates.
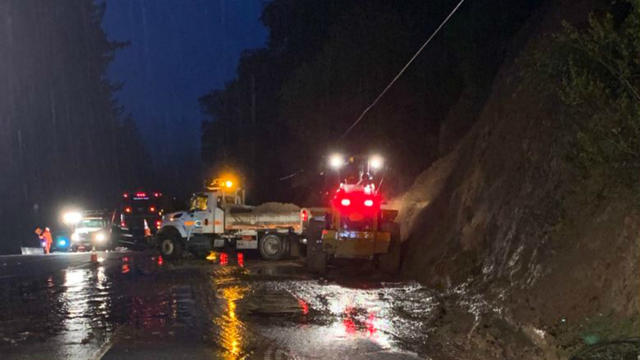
(267, 310)
(315, 316)
(72, 312)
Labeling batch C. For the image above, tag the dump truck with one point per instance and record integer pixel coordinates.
(218, 219)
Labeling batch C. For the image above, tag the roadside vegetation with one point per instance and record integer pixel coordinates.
(595, 71)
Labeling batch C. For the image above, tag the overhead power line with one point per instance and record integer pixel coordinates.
(402, 71)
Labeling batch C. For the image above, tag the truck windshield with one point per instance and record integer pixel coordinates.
(198, 203)
(91, 223)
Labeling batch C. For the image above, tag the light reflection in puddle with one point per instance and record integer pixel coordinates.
(231, 328)
(77, 322)
(232, 331)
(339, 317)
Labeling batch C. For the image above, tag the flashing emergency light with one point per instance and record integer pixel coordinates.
(336, 161)
(71, 217)
(63, 242)
(140, 195)
(376, 162)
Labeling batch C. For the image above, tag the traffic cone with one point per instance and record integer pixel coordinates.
(240, 258)
(94, 256)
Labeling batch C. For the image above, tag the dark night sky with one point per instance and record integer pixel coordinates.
(180, 49)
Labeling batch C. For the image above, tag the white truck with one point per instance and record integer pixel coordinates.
(218, 218)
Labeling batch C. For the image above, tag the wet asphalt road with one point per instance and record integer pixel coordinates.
(139, 306)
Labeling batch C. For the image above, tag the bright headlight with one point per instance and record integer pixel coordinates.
(75, 237)
(336, 161)
(376, 162)
(71, 217)
(100, 237)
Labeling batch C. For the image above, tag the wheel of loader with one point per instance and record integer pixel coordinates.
(316, 258)
(390, 262)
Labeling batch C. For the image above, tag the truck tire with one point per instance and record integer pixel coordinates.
(272, 247)
(170, 246)
(316, 258)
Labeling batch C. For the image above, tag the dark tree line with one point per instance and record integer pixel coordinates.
(325, 61)
(63, 139)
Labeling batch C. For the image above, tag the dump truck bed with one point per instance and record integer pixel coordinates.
(270, 215)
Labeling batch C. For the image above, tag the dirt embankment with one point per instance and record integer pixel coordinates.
(542, 265)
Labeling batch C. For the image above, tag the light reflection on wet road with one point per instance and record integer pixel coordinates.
(140, 306)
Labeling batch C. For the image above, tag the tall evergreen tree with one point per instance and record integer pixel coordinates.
(61, 133)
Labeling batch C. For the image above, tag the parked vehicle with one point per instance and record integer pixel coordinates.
(139, 217)
(94, 230)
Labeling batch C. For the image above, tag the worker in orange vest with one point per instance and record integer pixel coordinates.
(48, 240)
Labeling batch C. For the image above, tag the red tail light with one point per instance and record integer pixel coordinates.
(304, 215)
(224, 259)
(125, 195)
(141, 194)
(152, 208)
(123, 223)
(160, 261)
(128, 209)
(156, 194)
(357, 202)
(158, 223)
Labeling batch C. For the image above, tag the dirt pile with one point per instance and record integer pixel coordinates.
(549, 265)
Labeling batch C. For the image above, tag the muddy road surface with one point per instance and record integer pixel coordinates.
(139, 306)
